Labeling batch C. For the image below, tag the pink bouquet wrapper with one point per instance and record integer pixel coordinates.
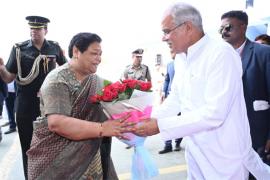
(136, 116)
(139, 106)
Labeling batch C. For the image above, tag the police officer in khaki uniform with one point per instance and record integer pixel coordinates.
(137, 70)
(29, 63)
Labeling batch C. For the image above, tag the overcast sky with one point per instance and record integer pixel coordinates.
(122, 24)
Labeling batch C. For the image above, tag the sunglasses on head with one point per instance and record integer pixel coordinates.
(226, 28)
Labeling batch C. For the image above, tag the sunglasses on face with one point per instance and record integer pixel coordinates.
(226, 28)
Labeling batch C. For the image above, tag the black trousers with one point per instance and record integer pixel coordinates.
(168, 143)
(10, 101)
(25, 130)
(2, 98)
(27, 110)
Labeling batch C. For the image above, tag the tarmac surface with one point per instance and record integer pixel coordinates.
(171, 165)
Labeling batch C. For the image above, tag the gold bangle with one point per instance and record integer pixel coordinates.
(100, 133)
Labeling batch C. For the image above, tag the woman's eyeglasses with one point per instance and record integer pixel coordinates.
(226, 28)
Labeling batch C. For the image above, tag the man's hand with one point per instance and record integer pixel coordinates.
(148, 127)
(2, 65)
(1, 62)
(6, 75)
(267, 146)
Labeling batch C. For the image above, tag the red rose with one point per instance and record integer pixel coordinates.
(109, 94)
(145, 86)
(114, 85)
(121, 90)
(131, 83)
(119, 87)
(95, 98)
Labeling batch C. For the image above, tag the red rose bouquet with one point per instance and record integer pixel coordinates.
(136, 98)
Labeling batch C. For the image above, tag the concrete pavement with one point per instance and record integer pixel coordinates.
(171, 165)
(11, 167)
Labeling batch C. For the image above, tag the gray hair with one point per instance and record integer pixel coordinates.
(182, 12)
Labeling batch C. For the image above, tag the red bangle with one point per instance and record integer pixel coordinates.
(100, 133)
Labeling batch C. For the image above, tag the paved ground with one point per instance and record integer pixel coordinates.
(171, 165)
(10, 155)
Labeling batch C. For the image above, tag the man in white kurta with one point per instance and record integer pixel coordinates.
(207, 90)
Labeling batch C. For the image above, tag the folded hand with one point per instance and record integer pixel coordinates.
(148, 127)
(118, 127)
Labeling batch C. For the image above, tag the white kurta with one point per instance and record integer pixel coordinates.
(207, 90)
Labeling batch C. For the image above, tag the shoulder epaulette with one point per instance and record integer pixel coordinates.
(143, 65)
(21, 43)
(54, 42)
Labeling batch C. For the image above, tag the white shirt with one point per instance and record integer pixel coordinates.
(11, 87)
(207, 90)
(241, 48)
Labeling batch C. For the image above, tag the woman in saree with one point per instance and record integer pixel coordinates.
(71, 139)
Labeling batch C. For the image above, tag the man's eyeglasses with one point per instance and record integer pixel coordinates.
(168, 31)
(226, 28)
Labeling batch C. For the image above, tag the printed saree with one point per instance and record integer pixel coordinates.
(52, 156)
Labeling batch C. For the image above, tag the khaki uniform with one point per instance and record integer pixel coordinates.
(140, 73)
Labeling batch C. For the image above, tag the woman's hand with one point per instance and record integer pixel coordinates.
(117, 127)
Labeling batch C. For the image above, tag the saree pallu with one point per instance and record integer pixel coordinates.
(52, 156)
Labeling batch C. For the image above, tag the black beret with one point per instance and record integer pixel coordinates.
(37, 21)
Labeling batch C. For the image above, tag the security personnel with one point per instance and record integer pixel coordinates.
(29, 63)
(137, 70)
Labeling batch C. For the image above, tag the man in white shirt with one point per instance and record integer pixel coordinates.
(207, 90)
